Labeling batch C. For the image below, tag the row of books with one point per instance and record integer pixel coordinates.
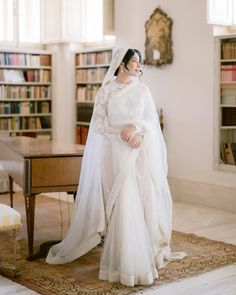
(92, 58)
(228, 89)
(228, 100)
(228, 50)
(29, 91)
(229, 116)
(84, 113)
(228, 73)
(228, 135)
(228, 153)
(19, 123)
(43, 76)
(24, 59)
(16, 76)
(81, 134)
(228, 94)
(86, 93)
(25, 108)
(90, 75)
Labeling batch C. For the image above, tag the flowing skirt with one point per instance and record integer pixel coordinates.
(135, 244)
(127, 199)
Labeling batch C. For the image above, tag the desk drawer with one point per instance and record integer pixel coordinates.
(56, 171)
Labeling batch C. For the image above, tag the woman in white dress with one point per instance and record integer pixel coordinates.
(123, 192)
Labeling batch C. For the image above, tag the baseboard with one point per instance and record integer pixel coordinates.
(203, 194)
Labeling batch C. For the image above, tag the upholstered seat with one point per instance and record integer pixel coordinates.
(10, 222)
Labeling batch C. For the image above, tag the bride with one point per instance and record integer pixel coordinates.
(123, 192)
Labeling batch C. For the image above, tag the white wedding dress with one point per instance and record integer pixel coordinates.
(123, 192)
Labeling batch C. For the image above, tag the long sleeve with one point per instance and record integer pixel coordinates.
(100, 120)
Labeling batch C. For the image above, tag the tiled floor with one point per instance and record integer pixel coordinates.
(211, 223)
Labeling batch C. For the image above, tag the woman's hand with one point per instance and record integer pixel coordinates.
(128, 133)
(136, 141)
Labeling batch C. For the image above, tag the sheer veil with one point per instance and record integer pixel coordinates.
(89, 218)
(115, 62)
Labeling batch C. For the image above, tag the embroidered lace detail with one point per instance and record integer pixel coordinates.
(128, 107)
(115, 108)
(100, 119)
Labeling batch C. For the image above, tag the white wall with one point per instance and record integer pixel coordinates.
(183, 89)
(63, 93)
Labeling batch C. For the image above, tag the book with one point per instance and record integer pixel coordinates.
(228, 50)
(45, 60)
(222, 153)
(84, 134)
(229, 158)
(81, 134)
(228, 99)
(25, 108)
(233, 148)
(45, 122)
(78, 135)
(229, 116)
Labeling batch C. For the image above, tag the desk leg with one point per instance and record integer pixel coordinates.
(30, 211)
(11, 189)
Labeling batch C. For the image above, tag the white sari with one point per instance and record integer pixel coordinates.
(123, 192)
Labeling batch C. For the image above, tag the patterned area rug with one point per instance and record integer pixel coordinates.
(81, 276)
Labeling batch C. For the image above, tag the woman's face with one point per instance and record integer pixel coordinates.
(133, 66)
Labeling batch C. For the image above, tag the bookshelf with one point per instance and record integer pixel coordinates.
(25, 93)
(90, 69)
(226, 90)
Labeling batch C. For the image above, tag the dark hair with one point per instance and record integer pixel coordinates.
(129, 54)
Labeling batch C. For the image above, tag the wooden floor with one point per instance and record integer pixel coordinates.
(211, 223)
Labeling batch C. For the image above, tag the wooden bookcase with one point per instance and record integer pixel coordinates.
(25, 93)
(90, 69)
(226, 103)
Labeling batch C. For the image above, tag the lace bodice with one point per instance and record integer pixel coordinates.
(100, 116)
(116, 106)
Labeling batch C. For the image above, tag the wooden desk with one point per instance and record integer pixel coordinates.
(39, 166)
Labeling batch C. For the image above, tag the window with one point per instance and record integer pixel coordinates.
(221, 12)
(6, 21)
(20, 21)
(93, 29)
(94, 21)
(29, 21)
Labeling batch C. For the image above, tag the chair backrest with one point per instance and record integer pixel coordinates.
(4, 181)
